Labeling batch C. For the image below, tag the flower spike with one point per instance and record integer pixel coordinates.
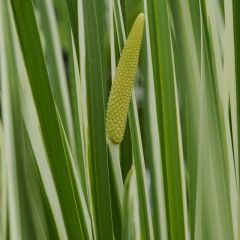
(122, 86)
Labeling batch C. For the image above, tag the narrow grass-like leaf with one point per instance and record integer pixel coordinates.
(3, 186)
(213, 164)
(131, 219)
(236, 25)
(40, 156)
(59, 85)
(55, 65)
(98, 157)
(44, 222)
(13, 126)
(73, 17)
(167, 114)
(59, 158)
(153, 147)
(187, 72)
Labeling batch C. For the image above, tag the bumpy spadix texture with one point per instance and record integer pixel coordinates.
(122, 86)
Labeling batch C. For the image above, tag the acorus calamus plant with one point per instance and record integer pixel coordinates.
(119, 119)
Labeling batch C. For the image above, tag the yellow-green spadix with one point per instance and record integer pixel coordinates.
(122, 86)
